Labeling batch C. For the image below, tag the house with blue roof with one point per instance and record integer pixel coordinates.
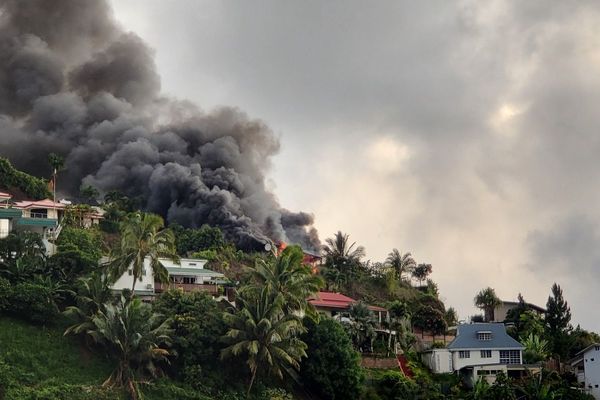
(479, 350)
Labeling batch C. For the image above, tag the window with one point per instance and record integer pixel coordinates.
(130, 272)
(510, 357)
(597, 348)
(143, 271)
(189, 280)
(484, 335)
(464, 354)
(486, 354)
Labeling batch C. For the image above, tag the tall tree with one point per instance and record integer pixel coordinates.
(487, 301)
(362, 326)
(143, 236)
(288, 276)
(57, 162)
(134, 338)
(558, 321)
(264, 335)
(421, 272)
(341, 254)
(400, 263)
(332, 368)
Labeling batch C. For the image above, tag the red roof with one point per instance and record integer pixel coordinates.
(46, 203)
(332, 300)
(336, 300)
(5, 195)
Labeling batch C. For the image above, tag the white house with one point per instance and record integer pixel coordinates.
(479, 350)
(587, 368)
(189, 275)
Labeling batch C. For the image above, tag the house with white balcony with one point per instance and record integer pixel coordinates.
(188, 275)
(586, 365)
(479, 350)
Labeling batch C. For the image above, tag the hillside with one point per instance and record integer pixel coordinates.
(38, 362)
(20, 184)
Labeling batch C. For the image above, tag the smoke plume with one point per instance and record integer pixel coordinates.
(75, 83)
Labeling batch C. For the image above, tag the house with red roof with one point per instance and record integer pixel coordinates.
(336, 304)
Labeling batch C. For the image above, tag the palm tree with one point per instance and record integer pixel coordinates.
(288, 276)
(134, 337)
(362, 325)
(93, 294)
(342, 255)
(57, 162)
(261, 331)
(400, 263)
(143, 236)
(487, 301)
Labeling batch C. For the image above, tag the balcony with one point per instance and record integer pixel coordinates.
(186, 287)
(10, 213)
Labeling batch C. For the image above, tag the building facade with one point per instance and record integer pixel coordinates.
(586, 366)
(479, 350)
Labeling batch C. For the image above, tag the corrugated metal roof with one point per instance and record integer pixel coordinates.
(466, 337)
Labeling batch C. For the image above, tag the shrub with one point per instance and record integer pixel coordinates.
(392, 385)
(5, 293)
(198, 327)
(332, 367)
(33, 302)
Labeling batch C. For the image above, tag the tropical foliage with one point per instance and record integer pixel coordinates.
(142, 237)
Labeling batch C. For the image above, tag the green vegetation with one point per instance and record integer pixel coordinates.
(142, 236)
(331, 369)
(32, 187)
(66, 335)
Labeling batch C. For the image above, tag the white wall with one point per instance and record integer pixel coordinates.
(474, 359)
(5, 227)
(126, 281)
(591, 360)
(438, 360)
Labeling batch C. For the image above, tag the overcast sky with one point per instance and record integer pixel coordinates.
(464, 132)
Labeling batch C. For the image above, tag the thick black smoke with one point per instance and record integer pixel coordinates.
(74, 83)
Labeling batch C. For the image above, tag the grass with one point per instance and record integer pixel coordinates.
(40, 354)
(39, 363)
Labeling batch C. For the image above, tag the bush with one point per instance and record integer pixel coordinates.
(332, 368)
(33, 302)
(5, 294)
(196, 321)
(392, 385)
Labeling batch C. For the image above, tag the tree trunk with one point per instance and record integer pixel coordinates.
(251, 382)
(133, 287)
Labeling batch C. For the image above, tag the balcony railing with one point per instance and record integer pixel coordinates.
(37, 215)
(186, 287)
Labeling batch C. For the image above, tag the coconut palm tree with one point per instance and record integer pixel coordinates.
(400, 263)
(57, 162)
(342, 255)
(487, 301)
(135, 338)
(264, 335)
(288, 276)
(93, 294)
(362, 325)
(143, 236)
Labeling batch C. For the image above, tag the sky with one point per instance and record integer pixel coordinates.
(464, 132)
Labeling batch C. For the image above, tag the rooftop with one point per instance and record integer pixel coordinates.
(466, 337)
(336, 300)
(46, 203)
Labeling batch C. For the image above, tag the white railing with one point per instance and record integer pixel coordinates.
(37, 215)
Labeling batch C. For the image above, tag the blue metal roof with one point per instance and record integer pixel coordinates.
(466, 337)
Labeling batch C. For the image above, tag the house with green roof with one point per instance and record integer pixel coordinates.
(188, 275)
